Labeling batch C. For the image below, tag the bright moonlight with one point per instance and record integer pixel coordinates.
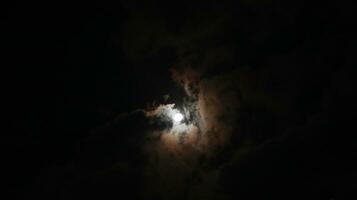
(178, 117)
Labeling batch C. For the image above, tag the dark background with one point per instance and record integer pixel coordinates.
(66, 73)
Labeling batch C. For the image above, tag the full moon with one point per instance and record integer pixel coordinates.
(178, 117)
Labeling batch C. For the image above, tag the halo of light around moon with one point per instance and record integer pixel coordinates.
(177, 117)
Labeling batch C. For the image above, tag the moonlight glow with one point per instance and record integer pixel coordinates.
(177, 117)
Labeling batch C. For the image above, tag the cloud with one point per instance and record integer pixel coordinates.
(242, 98)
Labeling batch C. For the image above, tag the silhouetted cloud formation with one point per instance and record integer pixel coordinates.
(266, 90)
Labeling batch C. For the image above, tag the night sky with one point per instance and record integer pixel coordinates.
(266, 90)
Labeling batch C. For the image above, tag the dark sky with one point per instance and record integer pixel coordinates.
(272, 81)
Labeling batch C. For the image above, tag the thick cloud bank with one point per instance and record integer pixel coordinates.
(266, 90)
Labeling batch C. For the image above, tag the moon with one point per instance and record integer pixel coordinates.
(178, 117)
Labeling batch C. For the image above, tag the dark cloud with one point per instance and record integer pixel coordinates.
(253, 80)
(267, 91)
